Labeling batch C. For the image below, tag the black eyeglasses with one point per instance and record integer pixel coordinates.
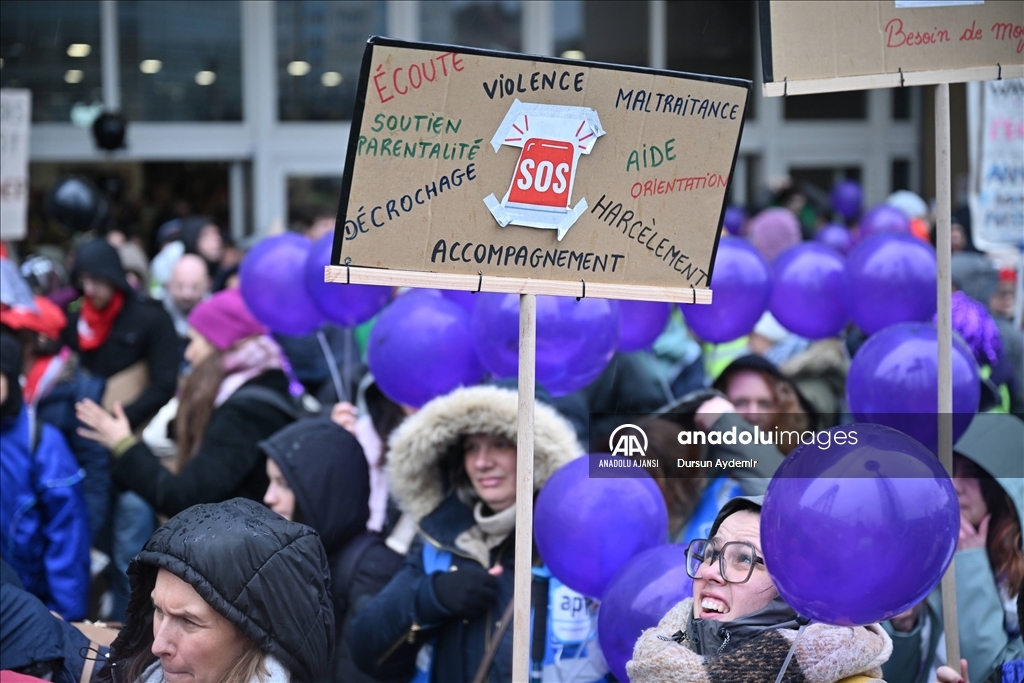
(736, 559)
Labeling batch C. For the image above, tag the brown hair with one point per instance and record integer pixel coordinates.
(683, 489)
(196, 406)
(789, 413)
(1003, 544)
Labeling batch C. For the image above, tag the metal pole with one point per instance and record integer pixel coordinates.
(943, 209)
(109, 51)
(524, 489)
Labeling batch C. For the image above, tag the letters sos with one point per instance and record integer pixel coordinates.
(544, 174)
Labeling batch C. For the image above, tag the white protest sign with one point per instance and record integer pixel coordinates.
(997, 164)
(15, 122)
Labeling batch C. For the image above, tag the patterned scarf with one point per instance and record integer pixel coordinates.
(94, 325)
(250, 358)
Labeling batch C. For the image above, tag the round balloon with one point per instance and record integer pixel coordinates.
(847, 199)
(734, 219)
(420, 348)
(347, 305)
(465, 299)
(835, 236)
(639, 595)
(883, 218)
(273, 283)
(741, 286)
(575, 339)
(75, 203)
(641, 322)
(858, 526)
(894, 380)
(890, 278)
(807, 291)
(587, 528)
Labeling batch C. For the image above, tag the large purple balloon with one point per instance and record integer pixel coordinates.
(273, 283)
(884, 218)
(835, 236)
(463, 298)
(575, 339)
(862, 530)
(741, 287)
(847, 198)
(894, 381)
(587, 528)
(347, 305)
(890, 278)
(643, 592)
(807, 291)
(734, 219)
(641, 322)
(421, 347)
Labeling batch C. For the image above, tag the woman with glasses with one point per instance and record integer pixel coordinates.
(737, 627)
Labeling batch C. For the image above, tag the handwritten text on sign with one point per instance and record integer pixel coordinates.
(473, 162)
(997, 183)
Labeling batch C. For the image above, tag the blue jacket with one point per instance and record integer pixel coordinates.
(44, 524)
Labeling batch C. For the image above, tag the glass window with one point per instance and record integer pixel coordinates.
(613, 32)
(52, 48)
(901, 103)
(311, 199)
(851, 105)
(180, 60)
(491, 24)
(320, 48)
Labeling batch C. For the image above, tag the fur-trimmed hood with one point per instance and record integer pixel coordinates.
(418, 446)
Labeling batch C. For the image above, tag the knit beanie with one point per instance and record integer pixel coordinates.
(224, 319)
(99, 259)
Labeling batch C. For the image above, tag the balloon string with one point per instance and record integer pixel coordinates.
(350, 335)
(331, 365)
(789, 655)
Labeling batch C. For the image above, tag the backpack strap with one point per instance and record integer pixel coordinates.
(269, 397)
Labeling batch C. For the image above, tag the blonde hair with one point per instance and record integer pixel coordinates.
(252, 664)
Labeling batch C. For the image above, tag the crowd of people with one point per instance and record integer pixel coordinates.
(249, 507)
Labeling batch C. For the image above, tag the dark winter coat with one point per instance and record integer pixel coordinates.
(326, 469)
(229, 463)
(267, 576)
(389, 632)
(44, 524)
(142, 331)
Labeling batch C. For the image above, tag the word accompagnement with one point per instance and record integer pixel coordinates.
(615, 217)
(380, 215)
(501, 255)
(503, 86)
(404, 79)
(675, 104)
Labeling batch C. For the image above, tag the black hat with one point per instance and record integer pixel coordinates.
(100, 259)
(10, 356)
(734, 505)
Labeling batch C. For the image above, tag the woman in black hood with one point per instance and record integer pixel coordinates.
(227, 593)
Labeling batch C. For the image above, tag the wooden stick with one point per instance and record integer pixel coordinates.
(358, 275)
(524, 489)
(890, 80)
(943, 210)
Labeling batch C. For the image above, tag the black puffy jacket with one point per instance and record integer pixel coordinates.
(267, 576)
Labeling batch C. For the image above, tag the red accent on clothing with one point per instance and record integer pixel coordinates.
(94, 326)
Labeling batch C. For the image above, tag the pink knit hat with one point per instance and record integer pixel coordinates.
(224, 319)
(773, 231)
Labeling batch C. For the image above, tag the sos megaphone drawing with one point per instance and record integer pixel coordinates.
(552, 138)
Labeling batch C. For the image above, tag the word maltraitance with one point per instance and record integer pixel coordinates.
(774, 437)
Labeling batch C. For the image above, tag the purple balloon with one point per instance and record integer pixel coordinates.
(741, 287)
(894, 381)
(421, 347)
(465, 299)
(587, 528)
(273, 283)
(883, 218)
(575, 339)
(890, 278)
(807, 291)
(836, 236)
(643, 592)
(860, 531)
(347, 305)
(847, 199)
(641, 322)
(734, 219)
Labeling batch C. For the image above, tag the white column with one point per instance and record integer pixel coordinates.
(236, 204)
(657, 49)
(876, 176)
(403, 19)
(259, 110)
(537, 26)
(109, 56)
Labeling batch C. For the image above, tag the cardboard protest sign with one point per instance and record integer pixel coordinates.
(997, 167)
(15, 123)
(813, 47)
(497, 166)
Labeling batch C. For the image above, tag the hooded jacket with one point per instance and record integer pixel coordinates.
(326, 469)
(267, 576)
(389, 632)
(142, 331)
